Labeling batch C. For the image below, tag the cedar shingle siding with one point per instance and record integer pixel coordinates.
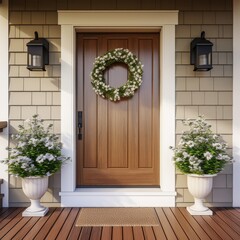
(208, 93)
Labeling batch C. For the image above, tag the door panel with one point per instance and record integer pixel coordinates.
(120, 144)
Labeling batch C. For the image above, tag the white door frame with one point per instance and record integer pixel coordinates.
(164, 22)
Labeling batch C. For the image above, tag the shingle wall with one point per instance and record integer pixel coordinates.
(208, 93)
(33, 92)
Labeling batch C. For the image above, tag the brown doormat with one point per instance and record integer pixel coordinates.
(117, 217)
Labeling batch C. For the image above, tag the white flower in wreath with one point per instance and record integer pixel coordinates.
(133, 82)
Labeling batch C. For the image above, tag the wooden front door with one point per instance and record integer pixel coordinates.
(120, 140)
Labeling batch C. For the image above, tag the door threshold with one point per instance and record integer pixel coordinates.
(118, 197)
(121, 191)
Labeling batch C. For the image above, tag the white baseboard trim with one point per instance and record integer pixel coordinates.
(115, 197)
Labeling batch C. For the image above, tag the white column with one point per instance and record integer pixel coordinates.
(68, 103)
(167, 106)
(236, 103)
(4, 95)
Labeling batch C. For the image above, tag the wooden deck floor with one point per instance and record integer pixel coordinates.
(176, 223)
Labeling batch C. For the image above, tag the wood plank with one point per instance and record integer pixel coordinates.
(10, 212)
(138, 233)
(165, 224)
(85, 233)
(159, 233)
(184, 224)
(146, 105)
(237, 209)
(10, 222)
(39, 224)
(75, 233)
(148, 233)
(175, 225)
(89, 105)
(3, 210)
(233, 212)
(207, 228)
(106, 233)
(58, 224)
(229, 229)
(117, 233)
(194, 224)
(48, 225)
(26, 228)
(128, 233)
(69, 224)
(228, 215)
(17, 227)
(218, 228)
(96, 233)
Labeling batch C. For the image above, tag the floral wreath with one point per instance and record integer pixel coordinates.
(134, 80)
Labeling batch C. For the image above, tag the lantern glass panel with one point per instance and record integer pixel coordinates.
(35, 57)
(204, 56)
(36, 61)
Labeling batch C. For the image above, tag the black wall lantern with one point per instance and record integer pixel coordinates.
(38, 54)
(201, 53)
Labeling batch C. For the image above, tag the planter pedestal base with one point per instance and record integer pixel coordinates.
(199, 186)
(34, 188)
(193, 212)
(29, 213)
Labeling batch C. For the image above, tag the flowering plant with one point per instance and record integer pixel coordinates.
(103, 62)
(199, 150)
(37, 151)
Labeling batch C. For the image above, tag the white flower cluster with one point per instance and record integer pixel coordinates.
(45, 157)
(103, 62)
(199, 150)
(49, 143)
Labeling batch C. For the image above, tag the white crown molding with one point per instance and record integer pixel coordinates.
(118, 18)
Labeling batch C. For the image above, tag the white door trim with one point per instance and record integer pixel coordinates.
(165, 22)
(4, 97)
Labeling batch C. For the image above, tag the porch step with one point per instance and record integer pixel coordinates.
(1, 195)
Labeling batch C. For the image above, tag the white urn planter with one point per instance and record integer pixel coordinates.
(34, 188)
(199, 186)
